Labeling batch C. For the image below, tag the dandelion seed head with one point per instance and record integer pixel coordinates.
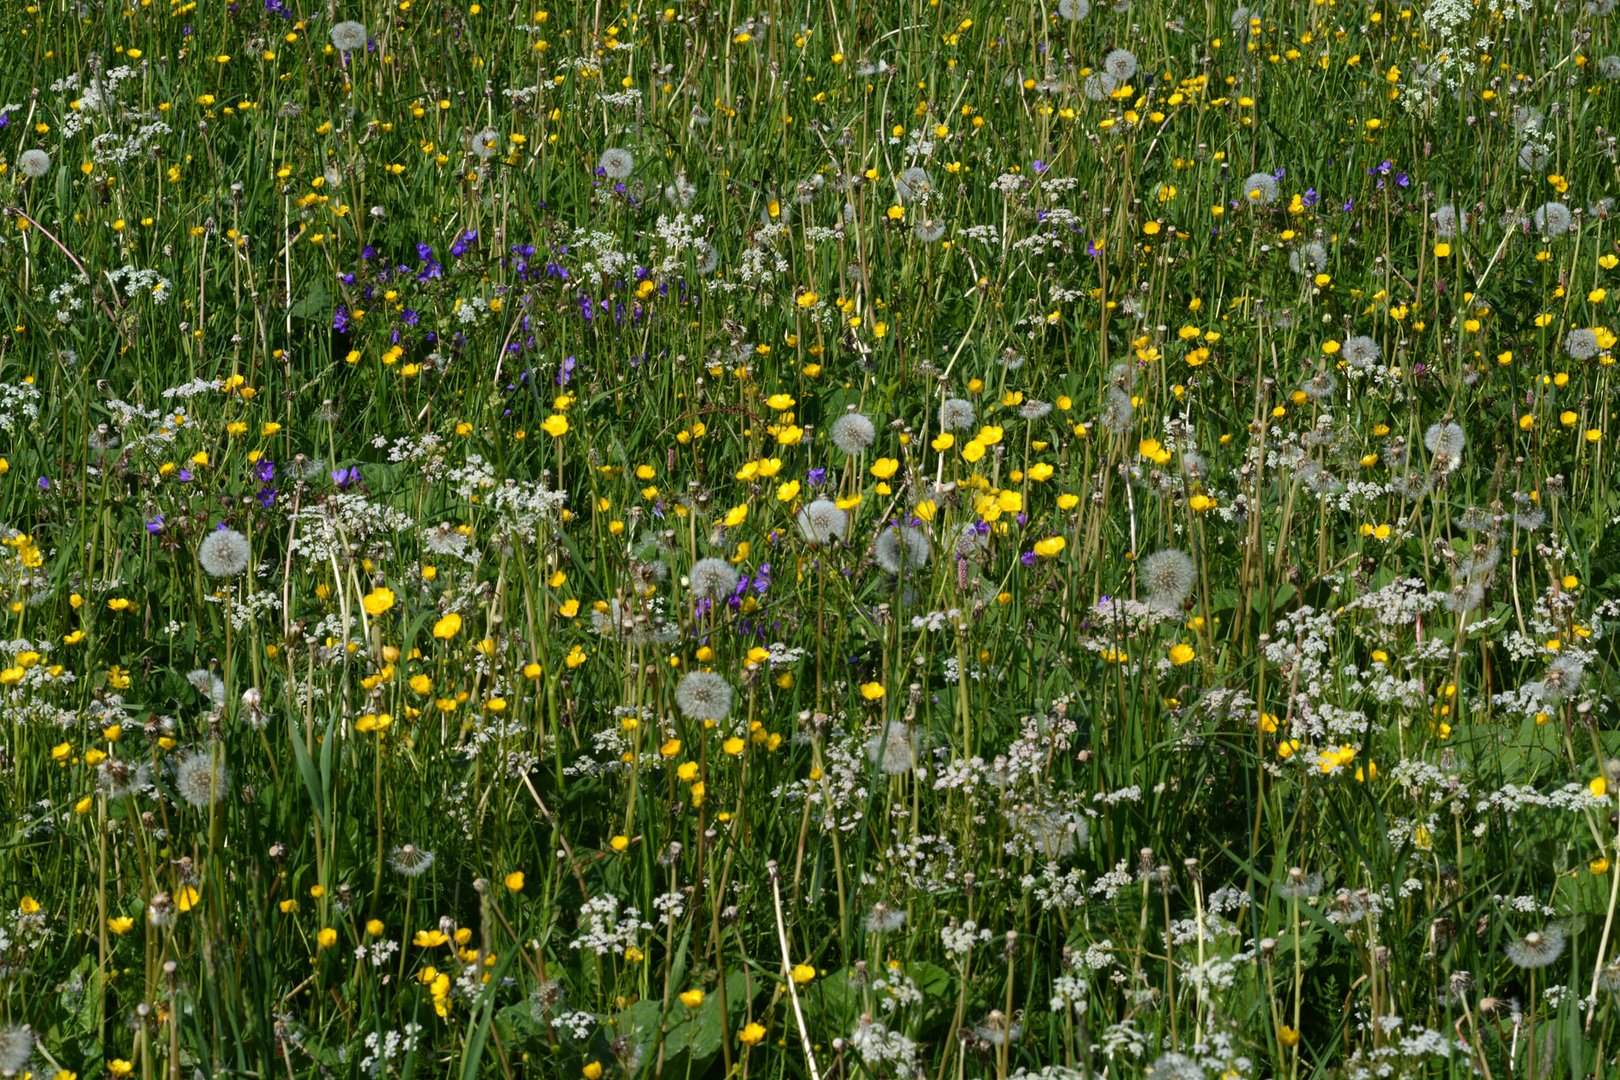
(200, 778)
(704, 695)
(616, 163)
(349, 36)
(1537, 949)
(1260, 189)
(33, 164)
(224, 553)
(1360, 351)
(956, 414)
(892, 749)
(1553, 219)
(1168, 576)
(852, 433)
(1581, 343)
(16, 1049)
(714, 579)
(901, 549)
(410, 861)
(1120, 64)
(822, 522)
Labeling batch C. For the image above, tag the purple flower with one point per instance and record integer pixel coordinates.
(184, 475)
(816, 477)
(464, 243)
(566, 371)
(44, 484)
(155, 526)
(1039, 166)
(1027, 558)
(264, 470)
(343, 478)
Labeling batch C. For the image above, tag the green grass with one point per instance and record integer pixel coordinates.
(420, 791)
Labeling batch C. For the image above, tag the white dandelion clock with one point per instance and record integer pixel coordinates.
(33, 164)
(713, 579)
(224, 553)
(901, 548)
(200, 778)
(349, 36)
(1168, 577)
(822, 522)
(852, 433)
(703, 695)
(616, 163)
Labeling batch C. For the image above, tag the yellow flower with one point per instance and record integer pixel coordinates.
(1050, 547)
(788, 491)
(326, 938)
(447, 627)
(1182, 653)
(872, 691)
(593, 1070)
(803, 973)
(884, 467)
(378, 600)
(751, 1034)
(555, 425)
(691, 998)
(619, 843)
(514, 881)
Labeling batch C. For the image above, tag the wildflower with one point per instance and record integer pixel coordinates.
(901, 548)
(956, 414)
(1360, 351)
(377, 601)
(200, 778)
(1168, 576)
(1260, 189)
(1537, 949)
(16, 1048)
(33, 164)
(349, 36)
(892, 749)
(410, 861)
(224, 553)
(913, 183)
(883, 919)
(1553, 219)
(447, 627)
(704, 695)
(852, 433)
(1581, 344)
(1074, 10)
(751, 1034)
(1120, 64)
(713, 579)
(483, 145)
(616, 163)
(692, 998)
(822, 522)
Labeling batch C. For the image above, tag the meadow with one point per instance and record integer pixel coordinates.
(887, 539)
